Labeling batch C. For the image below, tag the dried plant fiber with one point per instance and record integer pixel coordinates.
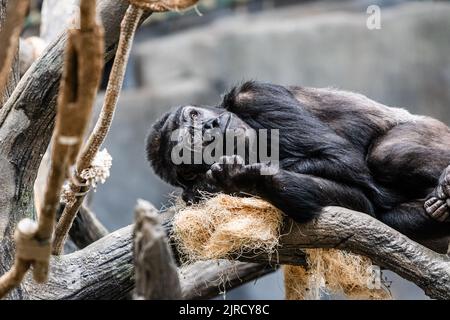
(226, 227)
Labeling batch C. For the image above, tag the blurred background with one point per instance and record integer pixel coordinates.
(193, 57)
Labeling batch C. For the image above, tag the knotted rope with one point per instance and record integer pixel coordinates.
(83, 62)
(162, 5)
(78, 188)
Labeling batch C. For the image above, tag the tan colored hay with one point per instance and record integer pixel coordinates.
(225, 226)
(334, 272)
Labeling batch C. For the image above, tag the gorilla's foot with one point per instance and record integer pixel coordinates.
(438, 204)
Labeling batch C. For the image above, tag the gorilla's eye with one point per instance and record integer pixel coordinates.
(189, 176)
(193, 114)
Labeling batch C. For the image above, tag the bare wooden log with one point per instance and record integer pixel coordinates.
(83, 66)
(104, 270)
(163, 5)
(359, 233)
(86, 229)
(208, 279)
(335, 228)
(155, 269)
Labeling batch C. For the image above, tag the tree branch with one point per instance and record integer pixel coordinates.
(104, 270)
(208, 279)
(359, 233)
(86, 228)
(107, 268)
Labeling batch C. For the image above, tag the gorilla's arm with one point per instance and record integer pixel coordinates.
(300, 196)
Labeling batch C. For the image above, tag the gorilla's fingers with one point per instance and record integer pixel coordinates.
(441, 214)
(234, 159)
(238, 160)
(433, 204)
(437, 208)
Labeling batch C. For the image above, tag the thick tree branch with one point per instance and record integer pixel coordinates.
(108, 263)
(208, 279)
(104, 270)
(359, 233)
(86, 228)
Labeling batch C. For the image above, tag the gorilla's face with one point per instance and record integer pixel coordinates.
(186, 125)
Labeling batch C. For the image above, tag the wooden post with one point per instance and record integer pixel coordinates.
(156, 271)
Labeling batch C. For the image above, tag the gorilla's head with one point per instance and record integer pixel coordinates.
(183, 126)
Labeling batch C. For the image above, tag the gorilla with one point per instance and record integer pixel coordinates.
(334, 148)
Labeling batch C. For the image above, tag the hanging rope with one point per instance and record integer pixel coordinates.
(162, 5)
(81, 76)
(78, 186)
(9, 37)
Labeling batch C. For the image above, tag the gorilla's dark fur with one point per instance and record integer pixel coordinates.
(336, 148)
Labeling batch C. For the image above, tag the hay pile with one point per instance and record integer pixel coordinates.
(226, 226)
(333, 272)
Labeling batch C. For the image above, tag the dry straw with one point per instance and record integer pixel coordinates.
(226, 227)
(333, 272)
(223, 226)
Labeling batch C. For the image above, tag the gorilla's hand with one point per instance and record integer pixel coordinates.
(438, 205)
(231, 174)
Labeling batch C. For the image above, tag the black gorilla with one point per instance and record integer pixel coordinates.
(335, 148)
